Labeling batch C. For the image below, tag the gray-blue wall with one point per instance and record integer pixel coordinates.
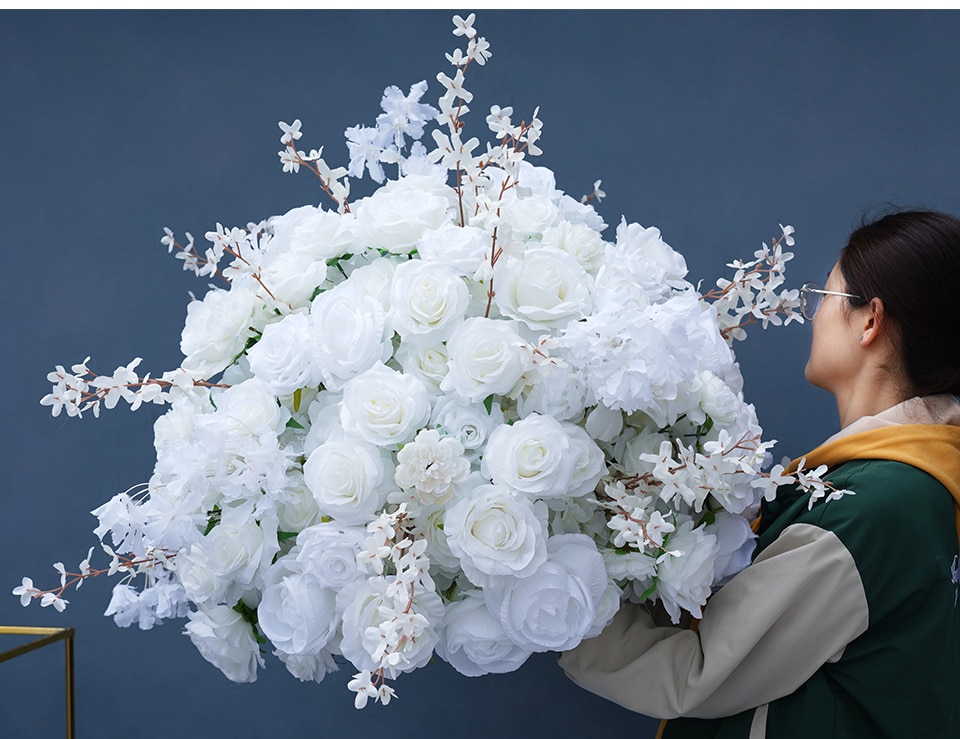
(712, 126)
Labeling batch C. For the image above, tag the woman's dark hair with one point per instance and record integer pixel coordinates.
(910, 260)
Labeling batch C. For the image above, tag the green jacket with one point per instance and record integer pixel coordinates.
(846, 624)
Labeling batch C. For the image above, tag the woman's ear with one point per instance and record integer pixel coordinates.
(874, 324)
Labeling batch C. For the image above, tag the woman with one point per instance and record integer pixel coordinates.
(847, 622)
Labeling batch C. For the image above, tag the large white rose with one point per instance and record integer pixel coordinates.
(240, 549)
(487, 357)
(374, 279)
(292, 277)
(534, 456)
(396, 216)
(665, 267)
(427, 300)
(496, 534)
(249, 409)
(474, 642)
(578, 240)
(309, 667)
(225, 640)
(591, 463)
(556, 607)
(329, 551)
(429, 363)
(348, 333)
(545, 288)
(736, 543)
(296, 613)
(685, 572)
(529, 217)
(366, 606)
(216, 330)
(461, 248)
(471, 423)
(313, 232)
(384, 407)
(346, 478)
(282, 357)
(201, 584)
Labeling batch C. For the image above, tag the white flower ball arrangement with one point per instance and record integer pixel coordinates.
(456, 417)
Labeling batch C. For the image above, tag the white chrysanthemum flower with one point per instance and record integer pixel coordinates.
(432, 466)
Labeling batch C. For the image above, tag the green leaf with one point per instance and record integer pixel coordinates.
(488, 404)
(286, 535)
(649, 591)
(293, 423)
(250, 616)
(213, 518)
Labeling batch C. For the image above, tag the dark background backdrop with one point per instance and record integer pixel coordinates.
(712, 126)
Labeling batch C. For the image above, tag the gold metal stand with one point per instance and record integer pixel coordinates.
(47, 636)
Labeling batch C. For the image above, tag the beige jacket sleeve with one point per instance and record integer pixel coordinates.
(762, 636)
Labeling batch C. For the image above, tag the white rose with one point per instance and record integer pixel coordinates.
(281, 358)
(685, 572)
(292, 277)
(313, 232)
(474, 642)
(384, 407)
(579, 241)
(216, 330)
(573, 211)
(736, 543)
(647, 241)
(495, 534)
(225, 640)
(396, 216)
(366, 606)
(249, 409)
(295, 505)
(461, 248)
(240, 549)
(346, 478)
(324, 415)
(429, 363)
(529, 217)
(545, 288)
(534, 456)
(374, 279)
(555, 607)
(725, 406)
(533, 180)
(430, 526)
(591, 463)
(427, 300)
(632, 444)
(176, 425)
(309, 667)
(198, 580)
(607, 608)
(348, 333)
(471, 423)
(328, 551)
(604, 424)
(296, 613)
(487, 357)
